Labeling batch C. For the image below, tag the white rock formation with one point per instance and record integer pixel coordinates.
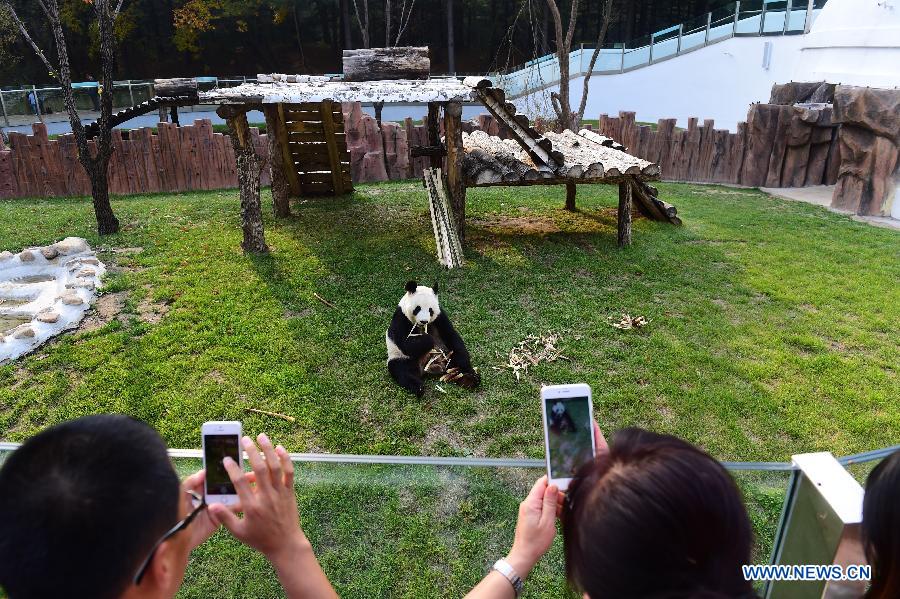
(43, 292)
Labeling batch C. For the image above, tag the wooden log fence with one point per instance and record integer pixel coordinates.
(778, 146)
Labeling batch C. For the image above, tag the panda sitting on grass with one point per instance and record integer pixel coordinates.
(421, 340)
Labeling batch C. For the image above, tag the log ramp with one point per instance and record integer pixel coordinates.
(528, 157)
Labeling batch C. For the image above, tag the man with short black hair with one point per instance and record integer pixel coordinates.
(93, 508)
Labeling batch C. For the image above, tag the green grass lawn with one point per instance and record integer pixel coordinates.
(773, 330)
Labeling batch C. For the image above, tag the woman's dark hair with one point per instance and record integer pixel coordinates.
(881, 527)
(656, 517)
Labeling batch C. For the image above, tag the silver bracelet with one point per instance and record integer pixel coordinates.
(507, 571)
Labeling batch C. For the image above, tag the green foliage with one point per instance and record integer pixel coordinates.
(772, 331)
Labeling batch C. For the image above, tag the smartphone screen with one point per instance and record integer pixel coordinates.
(569, 435)
(217, 447)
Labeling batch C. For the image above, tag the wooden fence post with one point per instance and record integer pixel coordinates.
(434, 132)
(280, 200)
(625, 212)
(248, 177)
(455, 183)
(570, 195)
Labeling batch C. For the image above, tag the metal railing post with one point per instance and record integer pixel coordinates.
(680, 32)
(737, 15)
(130, 92)
(708, 25)
(651, 48)
(622, 67)
(807, 23)
(762, 18)
(3, 105)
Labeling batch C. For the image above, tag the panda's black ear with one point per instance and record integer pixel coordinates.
(411, 286)
(435, 287)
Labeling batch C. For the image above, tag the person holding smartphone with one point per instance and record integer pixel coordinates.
(650, 516)
(93, 508)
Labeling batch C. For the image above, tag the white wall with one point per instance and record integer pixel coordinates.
(718, 82)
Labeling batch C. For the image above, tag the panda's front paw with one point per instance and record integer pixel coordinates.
(469, 380)
(420, 392)
(466, 380)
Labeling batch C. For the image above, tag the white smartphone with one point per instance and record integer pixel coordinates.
(568, 431)
(220, 439)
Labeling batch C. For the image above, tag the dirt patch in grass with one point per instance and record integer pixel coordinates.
(546, 224)
(151, 312)
(107, 307)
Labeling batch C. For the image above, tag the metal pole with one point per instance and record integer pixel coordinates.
(581, 60)
(680, 32)
(651, 48)
(787, 16)
(622, 68)
(3, 105)
(808, 22)
(708, 24)
(737, 13)
(130, 92)
(762, 18)
(37, 104)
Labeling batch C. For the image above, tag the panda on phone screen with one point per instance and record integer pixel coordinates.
(560, 419)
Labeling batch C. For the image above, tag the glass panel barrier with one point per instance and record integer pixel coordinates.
(421, 529)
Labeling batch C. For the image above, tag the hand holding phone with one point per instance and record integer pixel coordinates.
(220, 440)
(568, 431)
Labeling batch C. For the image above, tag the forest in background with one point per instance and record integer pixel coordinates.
(170, 38)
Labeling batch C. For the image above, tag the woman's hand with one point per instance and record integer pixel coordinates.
(536, 527)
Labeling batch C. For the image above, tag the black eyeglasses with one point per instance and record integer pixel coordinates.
(200, 506)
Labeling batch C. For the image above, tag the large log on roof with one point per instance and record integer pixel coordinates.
(179, 86)
(402, 62)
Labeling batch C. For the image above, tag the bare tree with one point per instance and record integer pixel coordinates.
(96, 164)
(560, 101)
(606, 8)
(363, 21)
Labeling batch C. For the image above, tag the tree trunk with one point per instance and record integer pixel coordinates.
(451, 50)
(570, 195)
(107, 223)
(432, 126)
(248, 179)
(455, 184)
(345, 23)
(561, 104)
(280, 196)
(624, 228)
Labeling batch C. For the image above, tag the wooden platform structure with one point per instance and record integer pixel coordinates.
(309, 152)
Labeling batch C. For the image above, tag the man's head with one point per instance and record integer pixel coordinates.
(81, 506)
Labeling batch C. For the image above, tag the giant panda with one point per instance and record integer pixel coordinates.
(421, 340)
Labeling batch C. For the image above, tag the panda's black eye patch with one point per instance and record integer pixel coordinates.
(431, 311)
(417, 310)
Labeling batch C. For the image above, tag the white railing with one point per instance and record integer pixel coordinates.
(740, 19)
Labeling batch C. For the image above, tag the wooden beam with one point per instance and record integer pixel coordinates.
(280, 194)
(624, 236)
(179, 86)
(419, 151)
(326, 109)
(570, 195)
(434, 133)
(456, 185)
(248, 178)
(286, 157)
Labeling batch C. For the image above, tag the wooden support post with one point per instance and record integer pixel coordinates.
(570, 195)
(337, 176)
(456, 185)
(173, 116)
(280, 200)
(625, 213)
(434, 132)
(290, 169)
(248, 178)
